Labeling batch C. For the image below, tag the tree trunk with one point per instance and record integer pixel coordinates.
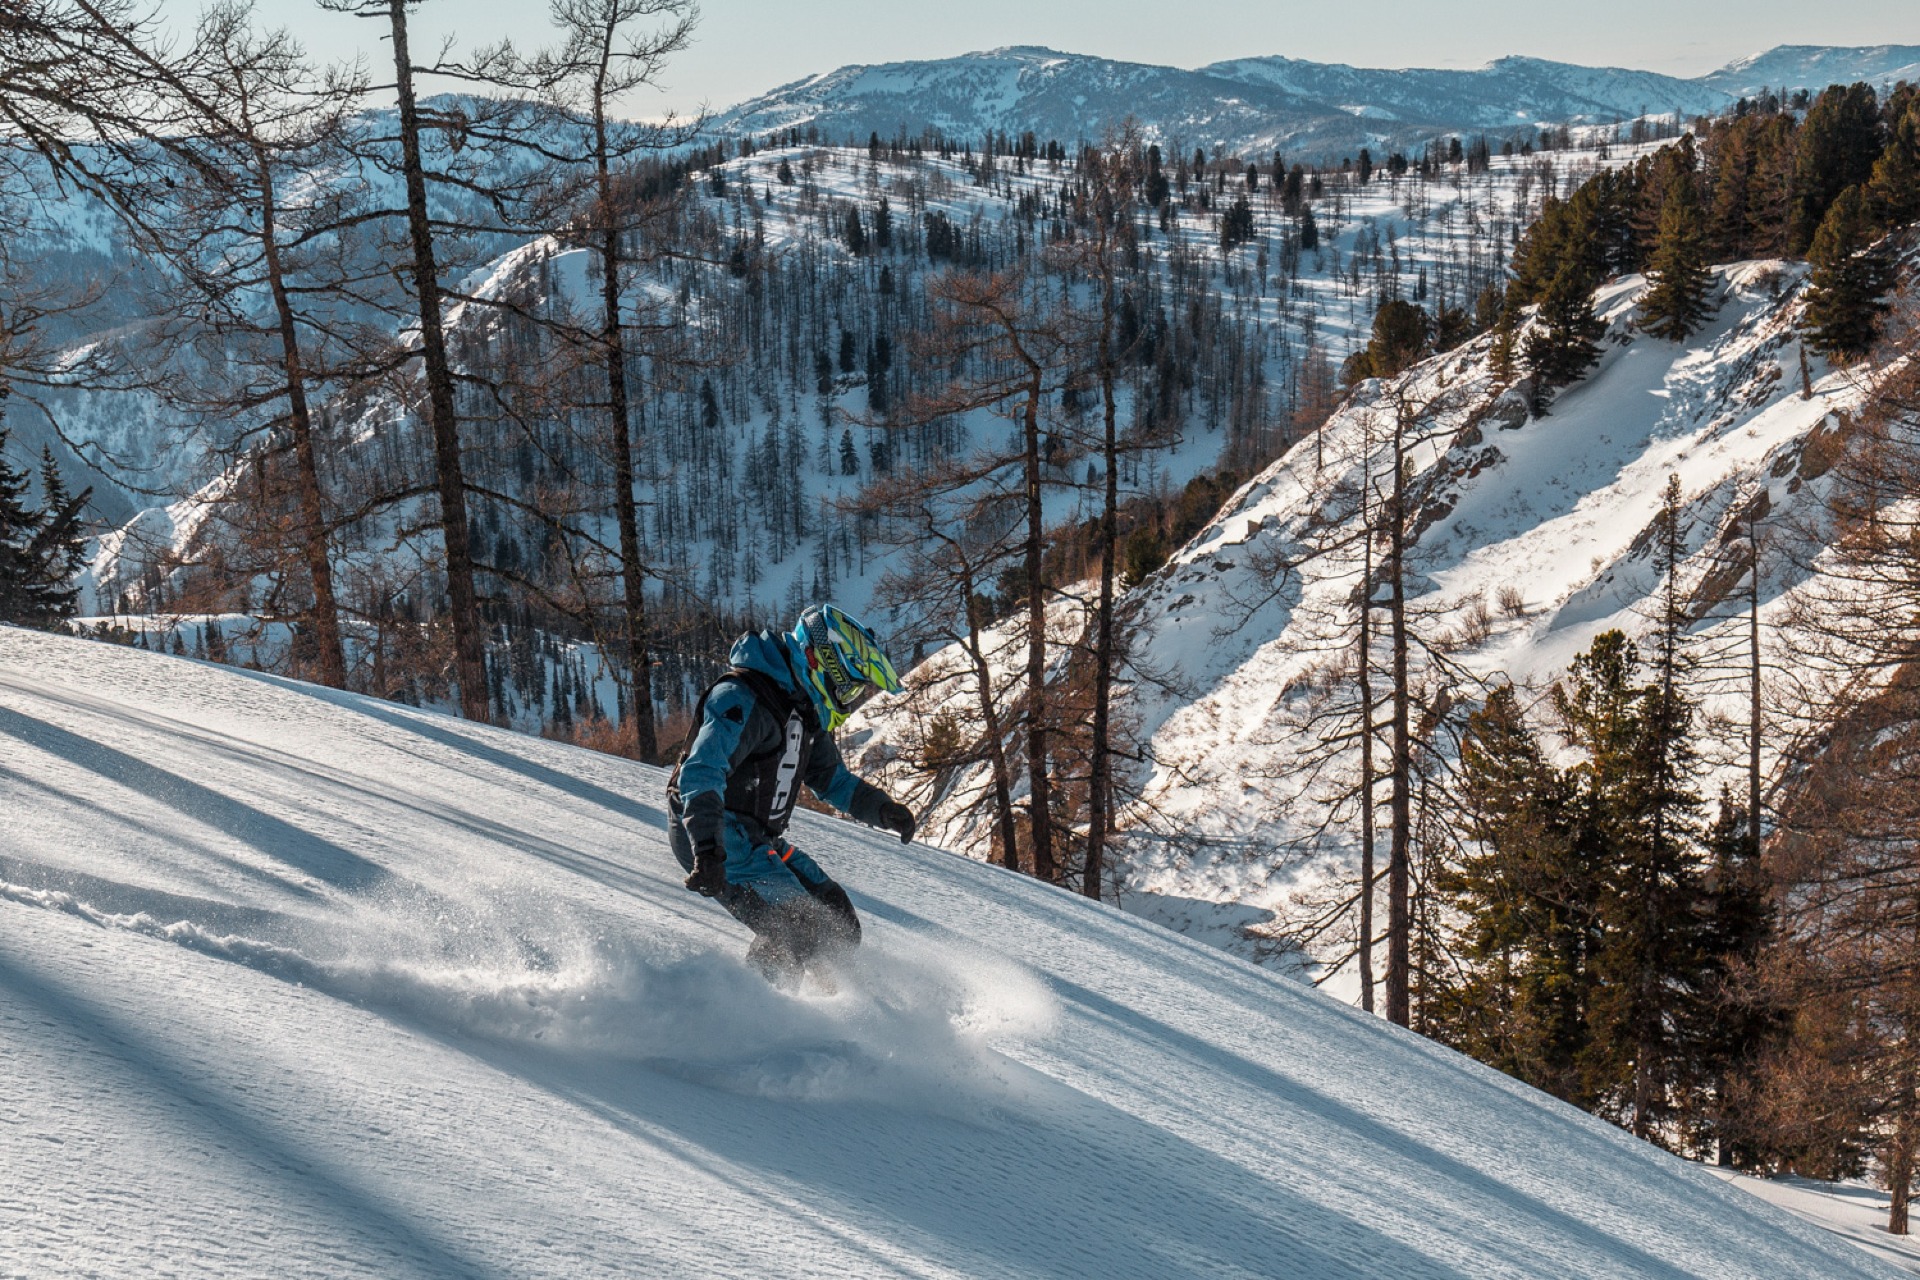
(1399, 916)
(1648, 1086)
(469, 645)
(1906, 1124)
(326, 611)
(1367, 833)
(990, 723)
(1098, 788)
(625, 510)
(1039, 789)
(1753, 687)
(1900, 1160)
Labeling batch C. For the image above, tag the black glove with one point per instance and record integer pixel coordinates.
(709, 876)
(891, 815)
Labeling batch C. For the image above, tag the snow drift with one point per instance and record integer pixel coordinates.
(300, 983)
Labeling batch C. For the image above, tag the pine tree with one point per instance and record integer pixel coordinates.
(1558, 265)
(1894, 190)
(41, 548)
(61, 543)
(1596, 945)
(1657, 955)
(1506, 336)
(18, 524)
(1562, 347)
(1735, 170)
(1835, 148)
(1526, 902)
(1236, 225)
(1402, 332)
(1850, 276)
(1739, 1024)
(1156, 187)
(1638, 819)
(1677, 301)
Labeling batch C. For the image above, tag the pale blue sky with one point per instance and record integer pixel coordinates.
(744, 47)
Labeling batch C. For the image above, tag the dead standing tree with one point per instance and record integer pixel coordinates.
(491, 126)
(1382, 683)
(83, 90)
(233, 238)
(86, 105)
(1103, 217)
(1846, 852)
(955, 535)
(1010, 353)
(601, 61)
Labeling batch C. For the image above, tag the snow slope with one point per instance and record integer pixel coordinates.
(1533, 537)
(1851, 1210)
(1552, 512)
(298, 983)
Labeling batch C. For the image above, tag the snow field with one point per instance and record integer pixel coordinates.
(298, 983)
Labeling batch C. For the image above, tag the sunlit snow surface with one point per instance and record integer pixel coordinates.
(304, 984)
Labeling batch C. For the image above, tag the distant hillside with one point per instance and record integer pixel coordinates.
(1807, 66)
(1255, 105)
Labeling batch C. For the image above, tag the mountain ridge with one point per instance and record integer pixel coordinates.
(1264, 102)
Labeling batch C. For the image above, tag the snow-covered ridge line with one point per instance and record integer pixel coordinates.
(1253, 105)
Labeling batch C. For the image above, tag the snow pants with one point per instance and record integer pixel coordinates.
(793, 906)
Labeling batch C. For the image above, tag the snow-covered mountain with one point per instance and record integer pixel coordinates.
(1535, 539)
(1056, 95)
(303, 984)
(1506, 94)
(1254, 105)
(1806, 66)
(1534, 536)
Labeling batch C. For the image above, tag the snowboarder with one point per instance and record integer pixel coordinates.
(759, 731)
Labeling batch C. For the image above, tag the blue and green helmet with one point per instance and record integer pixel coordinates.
(844, 659)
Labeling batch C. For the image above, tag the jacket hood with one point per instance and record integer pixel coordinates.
(771, 654)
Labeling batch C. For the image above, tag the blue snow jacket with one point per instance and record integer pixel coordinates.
(741, 742)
